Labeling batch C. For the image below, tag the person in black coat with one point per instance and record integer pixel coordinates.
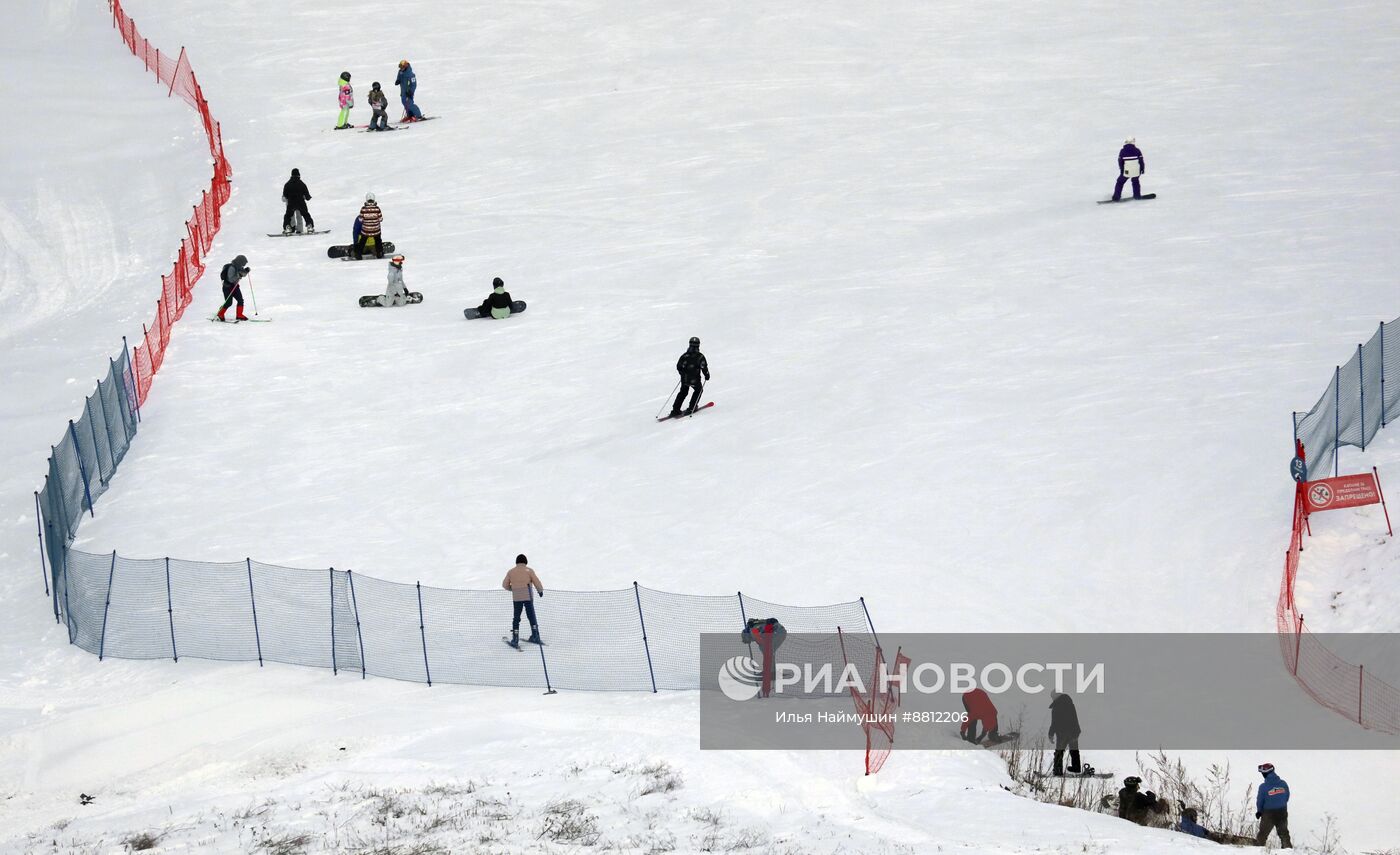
(691, 366)
(1064, 731)
(295, 194)
(1131, 166)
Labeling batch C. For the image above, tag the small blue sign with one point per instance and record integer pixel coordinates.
(1299, 470)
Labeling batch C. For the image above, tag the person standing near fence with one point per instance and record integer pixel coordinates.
(232, 280)
(347, 100)
(296, 195)
(1271, 807)
(519, 580)
(769, 635)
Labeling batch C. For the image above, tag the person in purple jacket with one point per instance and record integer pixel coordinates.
(1131, 165)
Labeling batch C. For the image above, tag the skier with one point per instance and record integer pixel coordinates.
(1064, 731)
(497, 303)
(1131, 165)
(1135, 806)
(691, 366)
(232, 278)
(1271, 807)
(395, 294)
(519, 579)
(407, 82)
(379, 103)
(371, 224)
(347, 100)
(295, 194)
(980, 710)
(769, 635)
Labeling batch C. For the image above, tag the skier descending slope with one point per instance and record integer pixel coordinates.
(407, 82)
(347, 100)
(232, 277)
(519, 580)
(371, 222)
(295, 194)
(691, 366)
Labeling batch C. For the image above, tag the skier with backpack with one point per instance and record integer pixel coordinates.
(691, 366)
(295, 194)
(231, 278)
(1131, 167)
(371, 221)
(519, 580)
(379, 103)
(347, 100)
(407, 82)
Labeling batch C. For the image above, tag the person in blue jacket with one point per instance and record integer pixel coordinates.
(1131, 166)
(407, 82)
(1271, 807)
(1189, 825)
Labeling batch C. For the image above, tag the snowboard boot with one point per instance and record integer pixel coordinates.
(1074, 768)
(286, 230)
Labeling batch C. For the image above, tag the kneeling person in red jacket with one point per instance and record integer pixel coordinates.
(980, 711)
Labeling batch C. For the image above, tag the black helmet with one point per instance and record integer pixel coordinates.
(1132, 781)
(374, 85)
(345, 74)
(694, 341)
(497, 283)
(296, 173)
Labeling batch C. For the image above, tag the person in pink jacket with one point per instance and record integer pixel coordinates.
(519, 580)
(347, 100)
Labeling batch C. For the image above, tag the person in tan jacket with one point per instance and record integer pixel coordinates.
(518, 581)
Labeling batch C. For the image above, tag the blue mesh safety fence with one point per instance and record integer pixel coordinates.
(1362, 397)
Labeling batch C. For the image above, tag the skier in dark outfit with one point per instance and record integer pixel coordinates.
(231, 278)
(691, 366)
(295, 194)
(1064, 730)
(497, 303)
(769, 635)
(1131, 165)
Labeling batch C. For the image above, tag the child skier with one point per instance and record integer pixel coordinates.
(347, 100)
(497, 303)
(371, 224)
(232, 278)
(1131, 166)
(519, 580)
(295, 194)
(407, 82)
(691, 366)
(395, 294)
(379, 103)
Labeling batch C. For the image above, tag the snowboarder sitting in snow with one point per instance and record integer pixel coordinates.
(347, 100)
(497, 303)
(1189, 825)
(691, 366)
(1136, 806)
(407, 82)
(769, 635)
(232, 277)
(1131, 165)
(295, 194)
(519, 580)
(396, 294)
(980, 711)
(371, 221)
(1064, 732)
(1271, 807)
(379, 103)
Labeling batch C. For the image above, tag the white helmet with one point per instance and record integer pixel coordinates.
(369, 197)
(1130, 141)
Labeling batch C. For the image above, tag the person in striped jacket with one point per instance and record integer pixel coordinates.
(371, 221)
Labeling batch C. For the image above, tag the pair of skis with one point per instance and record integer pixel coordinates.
(517, 644)
(685, 415)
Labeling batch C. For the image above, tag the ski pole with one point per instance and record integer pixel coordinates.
(251, 296)
(668, 398)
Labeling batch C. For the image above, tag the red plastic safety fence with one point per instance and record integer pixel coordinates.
(177, 287)
(1327, 678)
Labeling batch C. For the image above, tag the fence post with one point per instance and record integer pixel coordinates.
(335, 668)
(92, 428)
(126, 437)
(1382, 373)
(67, 612)
(349, 574)
(39, 523)
(869, 622)
(82, 470)
(423, 633)
(176, 73)
(248, 562)
(107, 607)
(1297, 645)
(1337, 421)
(170, 611)
(636, 590)
(1360, 686)
(135, 381)
(1361, 384)
(743, 616)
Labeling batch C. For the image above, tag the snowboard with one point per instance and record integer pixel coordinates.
(1002, 739)
(373, 299)
(215, 319)
(516, 307)
(1070, 776)
(1143, 198)
(347, 250)
(668, 416)
(299, 234)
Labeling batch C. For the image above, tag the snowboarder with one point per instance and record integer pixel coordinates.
(232, 277)
(347, 100)
(295, 194)
(1064, 731)
(407, 82)
(519, 580)
(497, 303)
(371, 224)
(691, 366)
(769, 635)
(1131, 166)
(980, 710)
(1189, 825)
(379, 103)
(395, 294)
(1271, 807)
(1136, 806)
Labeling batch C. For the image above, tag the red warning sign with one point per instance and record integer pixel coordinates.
(1348, 491)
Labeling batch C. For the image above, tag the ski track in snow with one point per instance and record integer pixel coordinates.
(949, 382)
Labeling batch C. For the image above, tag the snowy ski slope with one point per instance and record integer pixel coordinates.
(946, 380)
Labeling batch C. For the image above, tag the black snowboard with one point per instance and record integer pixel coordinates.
(516, 307)
(347, 250)
(373, 299)
(1070, 776)
(1144, 197)
(299, 234)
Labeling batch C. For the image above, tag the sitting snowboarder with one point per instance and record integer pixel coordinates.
(980, 711)
(1131, 166)
(691, 366)
(379, 103)
(769, 635)
(497, 303)
(1189, 825)
(232, 278)
(295, 194)
(1136, 806)
(396, 294)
